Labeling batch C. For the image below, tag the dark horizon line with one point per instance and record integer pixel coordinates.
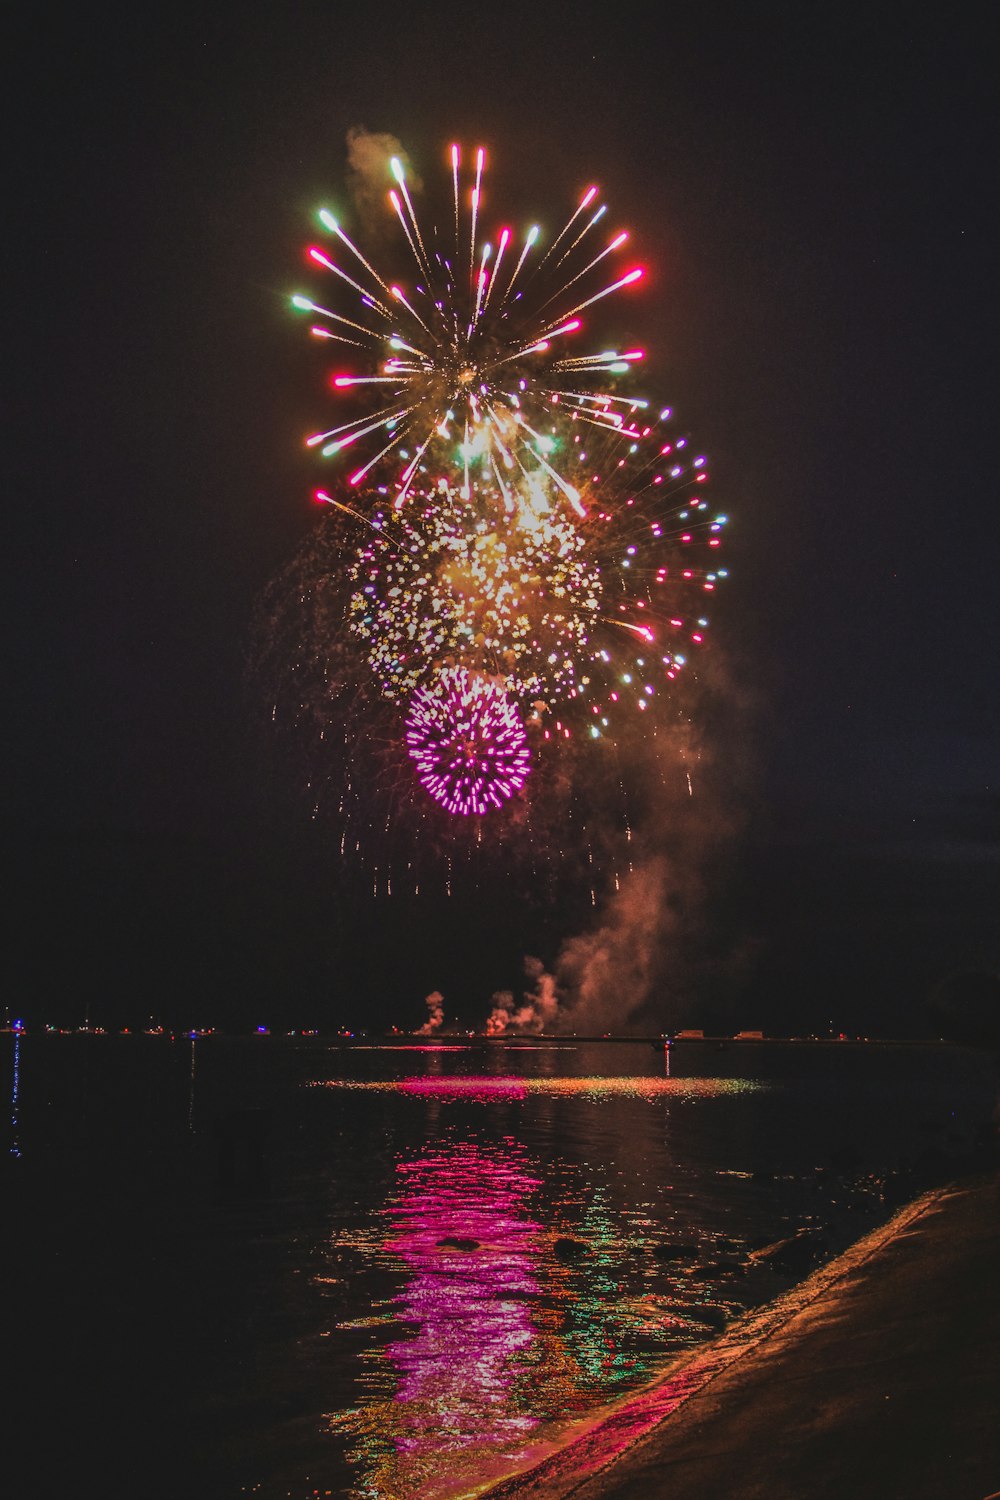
(391, 1038)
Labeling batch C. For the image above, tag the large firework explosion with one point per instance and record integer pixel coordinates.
(468, 355)
(519, 541)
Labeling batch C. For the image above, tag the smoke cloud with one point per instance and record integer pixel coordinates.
(538, 1010)
(435, 1018)
(657, 954)
(369, 177)
(607, 974)
(499, 1019)
(602, 977)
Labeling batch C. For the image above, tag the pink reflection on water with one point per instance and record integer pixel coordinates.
(487, 1087)
(480, 1088)
(417, 1047)
(459, 1224)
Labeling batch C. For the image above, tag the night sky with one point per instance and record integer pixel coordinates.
(814, 190)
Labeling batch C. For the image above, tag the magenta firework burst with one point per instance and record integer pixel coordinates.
(467, 741)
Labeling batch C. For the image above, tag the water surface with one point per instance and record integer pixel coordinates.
(276, 1266)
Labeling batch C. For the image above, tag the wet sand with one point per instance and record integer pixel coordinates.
(879, 1376)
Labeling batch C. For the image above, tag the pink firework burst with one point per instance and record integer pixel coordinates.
(467, 741)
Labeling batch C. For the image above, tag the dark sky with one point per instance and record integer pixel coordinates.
(814, 188)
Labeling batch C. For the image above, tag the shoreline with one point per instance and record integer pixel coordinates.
(598, 1456)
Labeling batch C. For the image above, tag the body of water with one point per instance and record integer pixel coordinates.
(277, 1266)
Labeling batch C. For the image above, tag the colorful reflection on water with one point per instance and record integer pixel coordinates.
(452, 1259)
(492, 1088)
(458, 1222)
(523, 1302)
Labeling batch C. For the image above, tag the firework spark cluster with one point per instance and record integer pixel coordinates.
(512, 595)
(467, 741)
(531, 549)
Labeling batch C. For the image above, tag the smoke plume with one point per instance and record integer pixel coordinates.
(539, 1008)
(602, 976)
(435, 1018)
(606, 975)
(657, 953)
(369, 177)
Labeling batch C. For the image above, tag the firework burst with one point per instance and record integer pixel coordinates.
(529, 552)
(467, 741)
(335, 747)
(465, 581)
(468, 355)
(586, 622)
